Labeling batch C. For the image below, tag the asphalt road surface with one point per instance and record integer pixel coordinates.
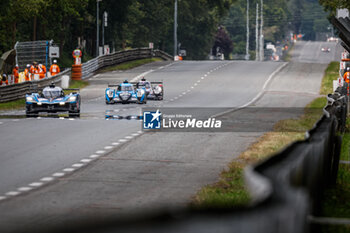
(57, 170)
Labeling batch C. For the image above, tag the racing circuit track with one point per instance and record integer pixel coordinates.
(55, 170)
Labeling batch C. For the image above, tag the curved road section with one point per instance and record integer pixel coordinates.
(59, 170)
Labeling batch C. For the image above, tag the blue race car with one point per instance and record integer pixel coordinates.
(52, 100)
(125, 93)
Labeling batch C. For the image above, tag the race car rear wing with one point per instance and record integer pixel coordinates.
(156, 82)
(113, 85)
(39, 90)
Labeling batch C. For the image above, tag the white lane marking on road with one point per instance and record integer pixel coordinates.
(71, 119)
(196, 84)
(97, 75)
(135, 134)
(141, 75)
(171, 100)
(12, 193)
(180, 96)
(128, 137)
(69, 169)
(198, 81)
(58, 174)
(85, 160)
(115, 143)
(24, 189)
(100, 152)
(15, 120)
(202, 78)
(184, 93)
(2, 198)
(123, 140)
(77, 165)
(205, 75)
(94, 156)
(264, 87)
(1, 123)
(192, 87)
(140, 132)
(259, 94)
(36, 184)
(176, 98)
(47, 179)
(108, 147)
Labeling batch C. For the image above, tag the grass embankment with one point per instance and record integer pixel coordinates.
(12, 105)
(78, 84)
(337, 199)
(229, 191)
(130, 64)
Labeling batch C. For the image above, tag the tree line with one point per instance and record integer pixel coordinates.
(202, 24)
(131, 23)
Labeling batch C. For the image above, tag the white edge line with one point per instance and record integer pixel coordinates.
(259, 94)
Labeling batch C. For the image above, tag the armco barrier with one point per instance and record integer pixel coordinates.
(18, 91)
(286, 188)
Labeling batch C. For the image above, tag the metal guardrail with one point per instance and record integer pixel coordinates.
(18, 91)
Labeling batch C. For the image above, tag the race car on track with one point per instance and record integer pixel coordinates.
(125, 93)
(52, 99)
(325, 49)
(154, 90)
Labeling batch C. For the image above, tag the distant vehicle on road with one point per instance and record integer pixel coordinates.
(325, 49)
(154, 90)
(125, 93)
(332, 39)
(52, 99)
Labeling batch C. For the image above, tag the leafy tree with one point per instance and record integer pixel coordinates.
(223, 41)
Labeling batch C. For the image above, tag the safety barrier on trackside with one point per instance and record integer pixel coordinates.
(18, 91)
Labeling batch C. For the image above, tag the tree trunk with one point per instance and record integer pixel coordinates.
(14, 31)
(34, 28)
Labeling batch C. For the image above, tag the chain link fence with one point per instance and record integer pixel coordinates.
(28, 52)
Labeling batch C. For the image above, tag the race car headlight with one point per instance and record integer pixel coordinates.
(110, 93)
(72, 99)
(29, 99)
(140, 93)
(62, 103)
(157, 90)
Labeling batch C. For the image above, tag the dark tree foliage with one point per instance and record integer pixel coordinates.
(223, 42)
(131, 23)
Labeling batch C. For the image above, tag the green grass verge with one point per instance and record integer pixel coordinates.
(230, 191)
(331, 73)
(78, 84)
(12, 105)
(130, 65)
(336, 199)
